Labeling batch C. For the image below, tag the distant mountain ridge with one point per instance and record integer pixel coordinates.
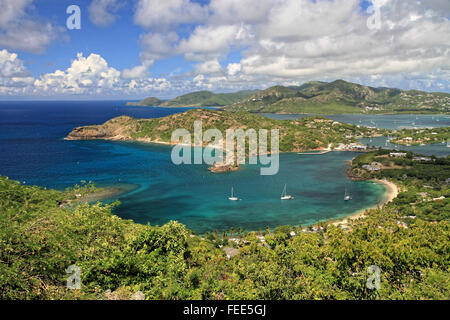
(198, 99)
(315, 97)
(342, 97)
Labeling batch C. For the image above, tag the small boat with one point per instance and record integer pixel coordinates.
(285, 196)
(233, 198)
(347, 196)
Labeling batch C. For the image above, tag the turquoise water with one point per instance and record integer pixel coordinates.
(32, 150)
(437, 149)
(396, 121)
(392, 122)
(198, 198)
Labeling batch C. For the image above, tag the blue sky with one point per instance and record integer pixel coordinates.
(139, 48)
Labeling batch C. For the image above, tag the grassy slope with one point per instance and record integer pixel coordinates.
(342, 97)
(295, 135)
(199, 99)
(151, 101)
(316, 97)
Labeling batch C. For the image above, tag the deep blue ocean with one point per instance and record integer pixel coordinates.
(33, 150)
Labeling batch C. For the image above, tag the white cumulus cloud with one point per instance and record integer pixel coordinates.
(19, 31)
(289, 41)
(161, 14)
(104, 12)
(89, 76)
(14, 77)
(84, 76)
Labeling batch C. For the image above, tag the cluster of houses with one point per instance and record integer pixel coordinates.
(404, 154)
(398, 154)
(374, 166)
(351, 147)
(428, 99)
(367, 108)
(422, 159)
(426, 197)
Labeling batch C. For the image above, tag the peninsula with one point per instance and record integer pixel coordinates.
(307, 134)
(197, 99)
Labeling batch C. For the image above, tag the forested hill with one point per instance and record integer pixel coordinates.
(315, 97)
(342, 97)
(198, 99)
(295, 135)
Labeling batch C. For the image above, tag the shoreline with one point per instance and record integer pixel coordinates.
(392, 191)
(104, 193)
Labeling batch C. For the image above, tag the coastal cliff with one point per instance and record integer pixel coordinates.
(119, 128)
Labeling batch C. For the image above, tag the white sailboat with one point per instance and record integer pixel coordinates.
(347, 196)
(285, 196)
(233, 198)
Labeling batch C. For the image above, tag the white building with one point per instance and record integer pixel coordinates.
(397, 154)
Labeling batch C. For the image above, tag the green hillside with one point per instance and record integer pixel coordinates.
(342, 97)
(295, 135)
(199, 99)
(314, 97)
(152, 101)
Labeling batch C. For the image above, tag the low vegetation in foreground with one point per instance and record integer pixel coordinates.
(41, 235)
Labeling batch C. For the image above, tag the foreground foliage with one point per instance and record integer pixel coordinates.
(40, 237)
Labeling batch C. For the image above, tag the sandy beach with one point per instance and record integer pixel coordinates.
(391, 193)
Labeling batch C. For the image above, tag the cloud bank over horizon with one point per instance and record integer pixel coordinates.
(230, 45)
